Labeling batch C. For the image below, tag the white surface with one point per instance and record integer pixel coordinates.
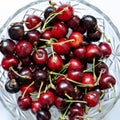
(110, 8)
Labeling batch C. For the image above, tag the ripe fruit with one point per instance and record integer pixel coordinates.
(66, 12)
(77, 39)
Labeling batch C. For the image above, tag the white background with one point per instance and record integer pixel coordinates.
(109, 7)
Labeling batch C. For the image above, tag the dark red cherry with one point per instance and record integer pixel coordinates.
(46, 99)
(43, 114)
(66, 12)
(24, 48)
(47, 34)
(16, 31)
(89, 22)
(59, 30)
(92, 98)
(76, 113)
(80, 52)
(24, 102)
(55, 62)
(7, 47)
(93, 52)
(106, 49)
(33, 21)
(12, 86)
(106, 81)
(40, 56)
(64, 87)
(101, 67)
(33, 36)
(60, 103)
(73, 22)
(35, 106)
(9, 61)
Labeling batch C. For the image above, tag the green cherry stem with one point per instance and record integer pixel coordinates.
(39, 92)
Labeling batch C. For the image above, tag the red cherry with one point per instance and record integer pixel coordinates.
(106, 49)
(75, 75)
(67, 12)
(93, 51)
(29, 89)
(24, 102)
(9, 61)
(35, 106)
(46, 99)
(75, 64)
(88, 79)
(55, 62)
(59, 30)
(106, 81)
(61, 47)
(33, 21)
(24, 48)
(92, 98)
(40, 56)
(47, 34)
(77, 39)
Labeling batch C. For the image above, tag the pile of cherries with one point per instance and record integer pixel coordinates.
(57, 60)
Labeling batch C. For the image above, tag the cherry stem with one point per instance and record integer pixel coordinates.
(69, 97)
(65, 113)
(27, 89)
(12, 82)
(22, 76)
(106, 38)
(39, 92)
(53, 4)
(103, 93)
(64, 68)
(50, 17)
(113, 89)
(87, 118)
(100, 108)
(75, 101)
(51, 84)
(93, 69)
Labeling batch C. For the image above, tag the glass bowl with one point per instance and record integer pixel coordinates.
(106, 25)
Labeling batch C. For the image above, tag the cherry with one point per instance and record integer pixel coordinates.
(40, 75)
(75, 64)
(92, 98)
(24, 102)
(73, 22)
(25, 61)
(33, 36)
(12, 86)
(67, 12)
(43, 114)
(40, 56)
(16, 31)
(77, 39)
(80, 52)
(88, 79)
(7, 47)
(106, 49)
(75, 75)
(33, 21)
(46, 99)
(35, 106)
(55, 62)
(47, 35)
(30, 89)
(107, 81)
(9, 61)
(93, 52)
(59, 30)
(60, 103)
(64, 87)
(101, 67)
(61, 47)
(76, 113)
(23, 48)
(94, 35)
(89, 22)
